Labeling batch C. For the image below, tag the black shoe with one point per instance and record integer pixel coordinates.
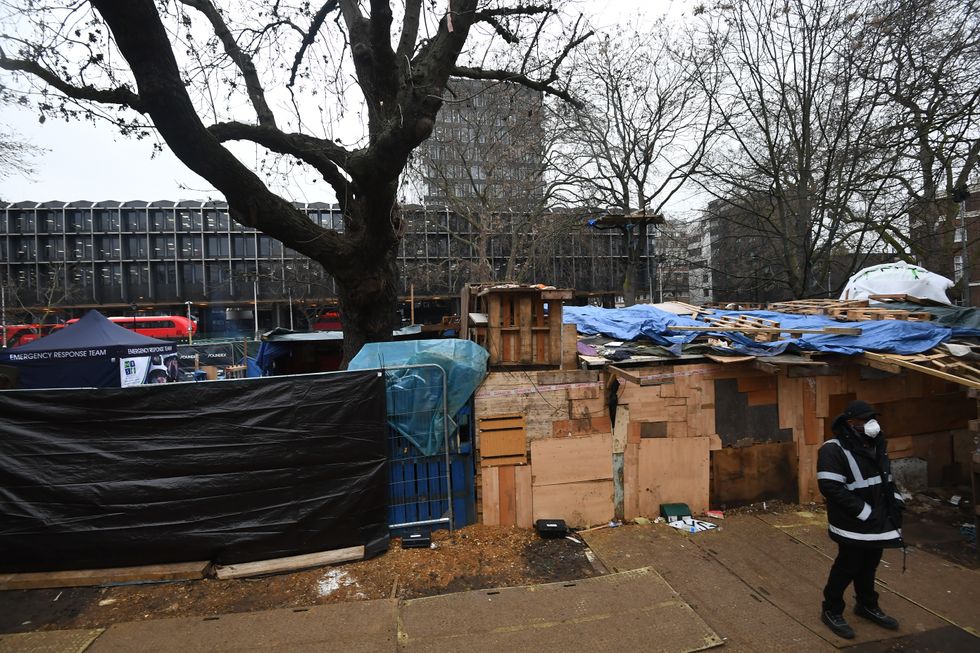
(876, 615)
(838, 624)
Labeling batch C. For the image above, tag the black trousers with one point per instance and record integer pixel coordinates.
(853, 565)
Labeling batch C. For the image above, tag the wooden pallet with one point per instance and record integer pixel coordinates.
(520, 325)
(816, 306)
(939, 362)
(865, 314)
(748, 321)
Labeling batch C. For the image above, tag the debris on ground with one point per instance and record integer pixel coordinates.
(475, 557)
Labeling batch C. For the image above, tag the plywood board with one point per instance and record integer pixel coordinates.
(522, 483)
(113, 576)
(631, 471)
(566, 428)
(491, 496)
(579, 504)
(742, 475)
(568, 460)
(673, 470)
(508, 495)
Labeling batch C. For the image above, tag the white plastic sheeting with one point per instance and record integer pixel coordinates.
(895, 279)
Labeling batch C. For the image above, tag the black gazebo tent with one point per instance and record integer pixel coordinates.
(91, 353)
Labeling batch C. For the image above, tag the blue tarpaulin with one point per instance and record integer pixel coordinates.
(644, 321)
(464, 363)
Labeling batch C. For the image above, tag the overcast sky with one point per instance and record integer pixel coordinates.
(78, 161)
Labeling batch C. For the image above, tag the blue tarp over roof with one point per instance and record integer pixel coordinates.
(644, 321)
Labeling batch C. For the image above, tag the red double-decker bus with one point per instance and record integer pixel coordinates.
(170, 327)
(21, 334)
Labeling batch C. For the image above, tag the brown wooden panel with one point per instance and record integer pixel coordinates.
(525, 505)
(653, 429)
(509, 442)
(491, 496)
(568, 460)
(673, 470)
(579, 504)
(508, 496)
(742, 475)
(565, 428)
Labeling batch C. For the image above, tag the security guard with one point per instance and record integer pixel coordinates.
(864, 512)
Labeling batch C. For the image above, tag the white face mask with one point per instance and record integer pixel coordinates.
(872, 428)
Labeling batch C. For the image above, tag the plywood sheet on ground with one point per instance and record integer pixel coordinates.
(51, 641)
(367, 626)
(673, 470)
(791, 575)
(945, 588)
(738, 613)
(635, 610)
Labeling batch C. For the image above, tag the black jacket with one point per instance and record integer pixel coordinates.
(863, 508)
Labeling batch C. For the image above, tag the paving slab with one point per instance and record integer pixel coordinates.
(633, 610)
(945, 588)
(791, 576)
(944, 640)
(362, 626)
(740, 614)
(49, 641)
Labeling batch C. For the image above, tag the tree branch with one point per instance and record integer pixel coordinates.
(326, 157)
(517, 78)
(122, 95)
(244, 62)
(309, 37)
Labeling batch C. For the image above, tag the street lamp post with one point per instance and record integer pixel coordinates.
(255, 304)
(190, 324)
(3, 313)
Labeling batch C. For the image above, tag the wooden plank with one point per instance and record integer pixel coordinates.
(762, 397)
(569, 344)
(830, 331)
(509, 442)
(568, 460)
(508, 495)
(525, 322)
(673, 470)
(491, 496)
(567, 428)
(562, 377)
(811, 429)
(621, 429)
(499, 461)
(494, 346)
(631, 479)
(501, 422)
(291, 563)
(111, 576)
(554, 333)
(885, 358)
(579, 504)
(525, 505)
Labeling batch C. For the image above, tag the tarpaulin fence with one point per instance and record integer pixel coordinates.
(230, 472)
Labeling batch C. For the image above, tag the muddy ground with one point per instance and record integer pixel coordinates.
(475, 557)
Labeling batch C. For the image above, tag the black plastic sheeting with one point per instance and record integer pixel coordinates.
(229, 471)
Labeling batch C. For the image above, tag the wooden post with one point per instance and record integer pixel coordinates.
(411, 303)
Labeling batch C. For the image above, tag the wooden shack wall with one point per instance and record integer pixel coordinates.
(709, 435)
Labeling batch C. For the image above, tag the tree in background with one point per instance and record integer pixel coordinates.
(278, 76)
(800, 170)
(923, 56)
(642, 132)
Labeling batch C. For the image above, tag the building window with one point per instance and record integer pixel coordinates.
(960, 234)
(957, 267)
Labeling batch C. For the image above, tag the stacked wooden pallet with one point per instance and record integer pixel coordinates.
(747, 321)
(816, 306)
(863, 314)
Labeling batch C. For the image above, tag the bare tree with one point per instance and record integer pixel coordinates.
(800, 169)
(924, 58)
(202, 76)
(644, 128)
